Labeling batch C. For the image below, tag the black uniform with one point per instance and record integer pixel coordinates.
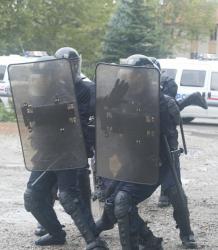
(123, 200)
(36, 200)
(122, 197)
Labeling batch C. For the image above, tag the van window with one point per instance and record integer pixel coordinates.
(214, 81)
(171, 73)
(193, 78)
(2, 72)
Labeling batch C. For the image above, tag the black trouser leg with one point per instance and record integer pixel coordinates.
(36, 200)
(181, 211)
(72, 203)
(83, 183)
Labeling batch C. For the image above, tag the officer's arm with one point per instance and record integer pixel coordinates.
(83, 100)
(174, 110)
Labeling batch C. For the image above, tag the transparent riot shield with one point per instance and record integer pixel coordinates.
(47, 115)
(127, 123)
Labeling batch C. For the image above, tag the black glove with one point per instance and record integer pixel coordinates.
(117, 93)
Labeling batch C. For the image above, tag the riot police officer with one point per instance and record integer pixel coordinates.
(169, 88)
(121, 203)
(74, 197)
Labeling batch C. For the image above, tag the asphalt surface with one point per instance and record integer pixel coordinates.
(199, 177)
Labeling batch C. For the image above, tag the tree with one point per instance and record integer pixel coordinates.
(50, 24)
(12, 28)
(131, 30)
(187, 20)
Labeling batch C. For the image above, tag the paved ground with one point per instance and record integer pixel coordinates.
(199, 172)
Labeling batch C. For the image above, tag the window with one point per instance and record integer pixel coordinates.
(193, 78)
(171, 73)
(214, 81)
(2, 72)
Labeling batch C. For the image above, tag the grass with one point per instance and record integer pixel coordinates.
(6, 115)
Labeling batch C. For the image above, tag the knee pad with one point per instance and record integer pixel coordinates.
(68, 201)
(32, 200)
(122, 204)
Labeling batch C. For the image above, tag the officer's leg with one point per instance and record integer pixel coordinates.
(180, 206)
(73, 205)
(147, 240)
(128, 231)
(36, 202)
(83, 183)
(166, 183)
(181, 216)
(52, 196)
(140, 193)
(163, 200)
(108, 219)
(180, 209)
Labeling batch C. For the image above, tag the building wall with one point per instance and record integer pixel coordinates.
(207, 47)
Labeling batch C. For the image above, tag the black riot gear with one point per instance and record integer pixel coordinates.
(44, 105)
(74, 57)
(127, 195)
(123, 111)
(141, 60)
(168, 85)
(67, 52)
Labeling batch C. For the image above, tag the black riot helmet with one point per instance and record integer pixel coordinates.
(74, 57)
(168, 86)
(138, 60)
(141, 60)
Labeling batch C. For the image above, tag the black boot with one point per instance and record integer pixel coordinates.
(150, 243)
(188, 241)
(147, 240)
(98, 244)
(40, 230)
(48, 239)
(163, 200)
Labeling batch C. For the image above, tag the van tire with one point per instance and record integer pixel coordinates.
(187, 119)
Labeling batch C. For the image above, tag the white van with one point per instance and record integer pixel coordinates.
(5, 93)
(191, 76)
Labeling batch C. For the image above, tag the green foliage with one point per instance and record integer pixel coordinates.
(12, 29)
(137, 26)
(6, 115)
(131, 30)
(51, 24)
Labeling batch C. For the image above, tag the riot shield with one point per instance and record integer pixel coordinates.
(47, 115)
(127, 123)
